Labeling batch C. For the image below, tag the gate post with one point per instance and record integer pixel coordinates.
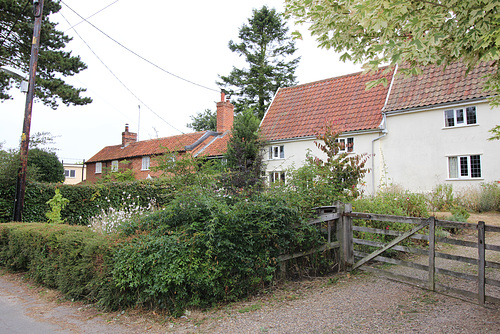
(339, 227)
(348, 238)
(432, 254)
(481, 262)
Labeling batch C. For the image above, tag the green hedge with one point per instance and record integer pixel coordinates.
(72, 259)
(85, 200)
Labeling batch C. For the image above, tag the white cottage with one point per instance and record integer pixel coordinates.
(420, 132)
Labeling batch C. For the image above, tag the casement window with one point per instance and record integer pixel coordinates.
(460, 117)
(70, 173)
(276, 177)
(98, 167)
(346, 144)
(114, 166)
(145, 163)
(464, 167)
(277, 152)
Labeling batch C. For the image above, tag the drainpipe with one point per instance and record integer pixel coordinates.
(383, 126)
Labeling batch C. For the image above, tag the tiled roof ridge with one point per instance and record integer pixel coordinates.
(380, 69)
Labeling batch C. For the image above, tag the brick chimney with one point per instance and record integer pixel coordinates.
(128, 137)
(225, 114)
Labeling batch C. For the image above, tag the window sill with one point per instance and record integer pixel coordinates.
(145, 170)
(459, 126)
(469, 179)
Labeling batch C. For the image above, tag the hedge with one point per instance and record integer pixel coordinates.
(85, 200)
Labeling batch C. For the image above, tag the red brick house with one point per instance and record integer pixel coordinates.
(138, 155)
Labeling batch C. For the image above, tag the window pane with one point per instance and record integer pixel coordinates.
(72, 173)
(449, 116)
(145, 163)
(114, 165)
(475, 166)
(270, 153)
(464, 166)
(342, 144)
(282, 152)
(460, 116)
(276, 152)
(98, 167)
(66, 172)
(471, 115)
(453, 167)
(350, 144)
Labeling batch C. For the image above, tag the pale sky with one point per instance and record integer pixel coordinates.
(186, 38)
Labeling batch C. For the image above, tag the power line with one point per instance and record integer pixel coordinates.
(84, 20)
(121, 82)
(138, 55)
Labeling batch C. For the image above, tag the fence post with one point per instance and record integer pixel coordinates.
(481, 263)
(348, 242)
(339, 224)
(432, 254)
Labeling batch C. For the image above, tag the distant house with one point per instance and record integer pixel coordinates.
(420, 131)
(139, 155)
(74, 173)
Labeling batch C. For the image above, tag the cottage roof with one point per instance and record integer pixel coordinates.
(437, 85)
(304, 110)
(152, 147)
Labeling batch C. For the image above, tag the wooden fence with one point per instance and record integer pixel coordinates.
(338, 222)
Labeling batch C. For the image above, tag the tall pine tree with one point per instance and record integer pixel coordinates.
(16, 34)
(266, 46)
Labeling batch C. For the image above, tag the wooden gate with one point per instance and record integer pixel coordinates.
(488, 288)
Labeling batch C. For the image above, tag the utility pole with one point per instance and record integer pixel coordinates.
(25, 137)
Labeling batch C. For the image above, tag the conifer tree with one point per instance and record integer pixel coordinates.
(267, 48)
(54, 63)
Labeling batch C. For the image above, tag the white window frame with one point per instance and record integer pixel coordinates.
(98, 167)
(71, 173)
(114, 166)
(460, 167)
(460, 117)
(349, 147)
(277, 152)
(146, 162)
(277, 176)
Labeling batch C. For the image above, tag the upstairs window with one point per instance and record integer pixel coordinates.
(277, 152)
(346, 144)
(145, 163)
(98, 167)
(460, 117)
(464, 167)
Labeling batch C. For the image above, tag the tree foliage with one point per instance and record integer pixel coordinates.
(50, 169)
(54, 63)
(244, 152)
(204, 121)
(417, 33)
(265, 45)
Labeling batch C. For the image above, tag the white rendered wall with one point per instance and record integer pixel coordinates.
(296, 151)
(416, 149)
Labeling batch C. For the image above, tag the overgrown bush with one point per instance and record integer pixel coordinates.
(481, 198)
(205, 248)
(441, 198)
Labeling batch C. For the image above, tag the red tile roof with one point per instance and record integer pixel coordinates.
(216, 148)
(435, 86)
(152, 147)
(304, 110)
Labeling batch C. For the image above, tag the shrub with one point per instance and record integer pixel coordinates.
(71, 259)
(441, 198)
(205, 248)
(482, 198)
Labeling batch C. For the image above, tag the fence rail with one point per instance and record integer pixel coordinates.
(339, 220)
